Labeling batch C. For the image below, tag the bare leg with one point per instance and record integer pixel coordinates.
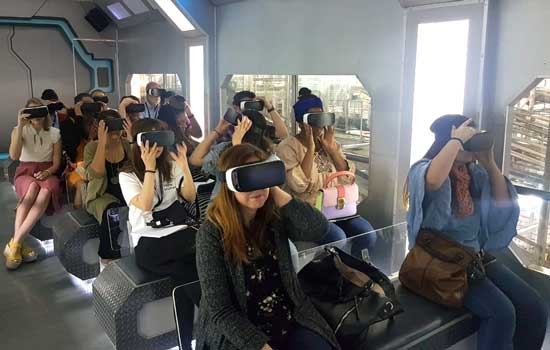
(26, 204)
(39, 207)
(78, 196)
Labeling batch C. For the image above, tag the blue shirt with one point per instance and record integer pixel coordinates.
(151, 111)
(491, 227)
(210, 164)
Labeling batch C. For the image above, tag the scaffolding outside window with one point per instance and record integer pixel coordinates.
(527, 164)
(343, 95)
(168, 81)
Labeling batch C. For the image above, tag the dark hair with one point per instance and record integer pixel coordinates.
(258, 121)
(225, 210)
(239, 96)
(81, 96)
(110, 113)
(131, 97)
(49, 95)
(164, 162)
(169, 115)
(177, 102)
(304, 92)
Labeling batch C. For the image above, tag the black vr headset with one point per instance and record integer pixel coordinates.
(257, 105)
(480, 142)
(231, 116)
(91, 107)
(256, 176)
(163, 138)
(114, 124)
(135, 108)
(56, 106)
(320, 120)
(36, 112)
(162, 93)
(104, 99)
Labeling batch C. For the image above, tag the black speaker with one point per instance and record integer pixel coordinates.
(98, 19)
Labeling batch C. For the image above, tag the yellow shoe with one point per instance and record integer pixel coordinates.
(12, 252)
(28, 254)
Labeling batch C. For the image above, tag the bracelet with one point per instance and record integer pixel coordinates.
(150, 171)
(271, 110)
(459, 140)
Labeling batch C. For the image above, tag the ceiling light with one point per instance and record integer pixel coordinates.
(136, 6)
(118, 11)
(175, 14)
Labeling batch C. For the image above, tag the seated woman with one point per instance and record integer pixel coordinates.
(37, 146)
(475, 205)
(310, 158)
(154, 187)
(177, 121)
(125, 101)
(207, 155)
(103, 160)
(252, 297)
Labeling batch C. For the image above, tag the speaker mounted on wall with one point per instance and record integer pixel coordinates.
(98, 19)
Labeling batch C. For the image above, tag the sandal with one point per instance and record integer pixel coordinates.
(28, 254)
(12, 252)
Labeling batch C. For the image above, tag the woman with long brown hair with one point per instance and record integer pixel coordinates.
(37, 145)
(252, 299)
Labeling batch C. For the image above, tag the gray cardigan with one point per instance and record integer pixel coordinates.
(223, 322)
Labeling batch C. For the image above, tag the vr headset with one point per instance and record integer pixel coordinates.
(54, 107)
(114, 124)
(104, 99)
(135, 108)
(256, 176)
(164, 138)
(91, 107)
(480, 142)
(231, 116)
(320, 120)
(252, 105)
(36, 112)
(160, 93)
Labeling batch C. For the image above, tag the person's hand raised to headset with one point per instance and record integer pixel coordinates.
(243, 126)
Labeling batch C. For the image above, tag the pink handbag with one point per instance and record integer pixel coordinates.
(340, 201)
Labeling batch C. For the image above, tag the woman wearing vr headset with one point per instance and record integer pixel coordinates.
(476, 206)
(181, 121)
(37, 145)
(103, 160)
(311, 157)
(159, 190)
(252, 299)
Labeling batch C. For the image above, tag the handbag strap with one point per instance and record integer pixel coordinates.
(339, 174)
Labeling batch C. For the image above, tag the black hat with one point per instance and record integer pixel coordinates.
(442, 127)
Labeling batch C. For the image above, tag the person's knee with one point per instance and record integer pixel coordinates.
(334, 234)
(504, 314)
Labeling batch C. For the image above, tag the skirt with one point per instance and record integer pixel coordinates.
(24, 178)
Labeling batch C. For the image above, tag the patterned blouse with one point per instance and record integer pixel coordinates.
(269, 306)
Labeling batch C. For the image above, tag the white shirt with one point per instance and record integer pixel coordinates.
(151, 111)
(131, 186)
(38, 146)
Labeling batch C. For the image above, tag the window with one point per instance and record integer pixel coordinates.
(440, 75)
(169, 82)
(342, 94)
(527, 165)
(196, 83)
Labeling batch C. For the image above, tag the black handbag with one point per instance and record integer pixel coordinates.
(350, 294)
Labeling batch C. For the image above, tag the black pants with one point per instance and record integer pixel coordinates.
(108, 249)
(174, 256)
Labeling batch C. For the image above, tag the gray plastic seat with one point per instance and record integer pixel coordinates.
(134, 306)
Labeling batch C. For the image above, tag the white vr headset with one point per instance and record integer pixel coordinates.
(320, 119)
(256, 176)
(162, 138)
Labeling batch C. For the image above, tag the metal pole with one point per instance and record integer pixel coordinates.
(74, 70)
(117, 67)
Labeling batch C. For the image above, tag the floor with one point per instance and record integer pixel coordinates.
(43, 307)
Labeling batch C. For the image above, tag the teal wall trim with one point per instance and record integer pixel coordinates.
(97, 67)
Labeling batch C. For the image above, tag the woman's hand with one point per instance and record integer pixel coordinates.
(267, 104)
(149, 156)
(187, 110)
(266, 347)
(243, 126)
(310, 140)
(222, 126)
(181, 157)
(125, 103)
(464, 132)
(22, 118)
(127, 125)
(102, 133)
(486, 159)
(328, 142)
(42, 175)
(78, 108)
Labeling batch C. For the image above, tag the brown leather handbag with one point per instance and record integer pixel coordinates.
(439, 268)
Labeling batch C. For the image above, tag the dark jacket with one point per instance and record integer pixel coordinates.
(223, 322)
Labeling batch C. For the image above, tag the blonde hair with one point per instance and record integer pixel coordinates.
(47, 122)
